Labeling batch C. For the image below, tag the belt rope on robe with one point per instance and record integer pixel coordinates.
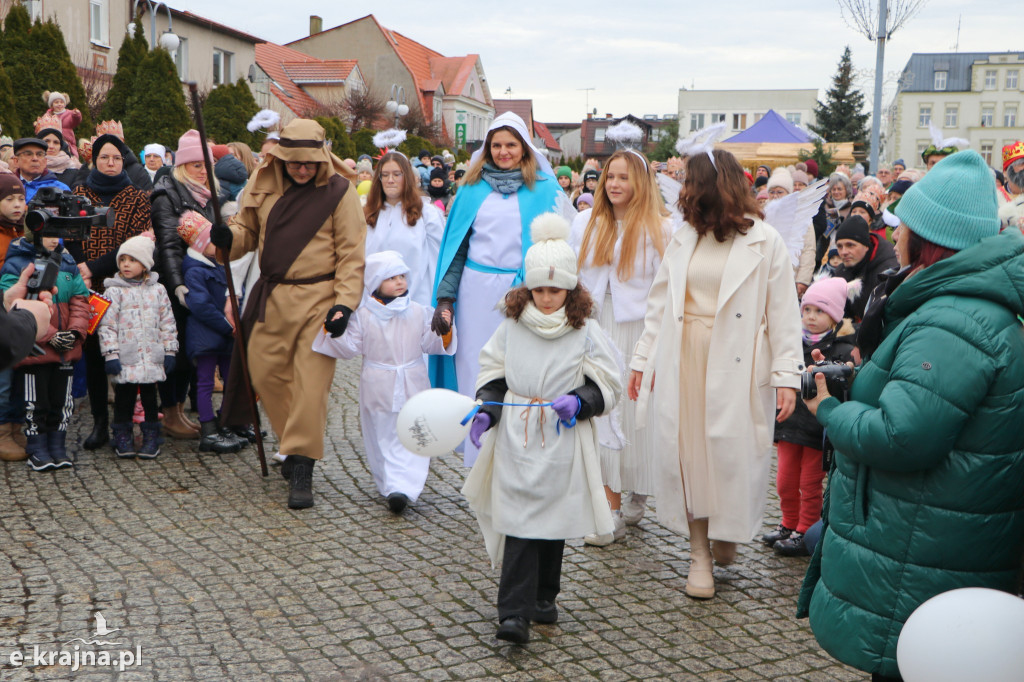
(536, 402)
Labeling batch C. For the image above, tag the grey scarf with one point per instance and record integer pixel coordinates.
(504, 181)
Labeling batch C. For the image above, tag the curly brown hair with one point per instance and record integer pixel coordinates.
(578, 304)
(716, 197)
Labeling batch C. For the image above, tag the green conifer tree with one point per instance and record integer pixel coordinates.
(19, 61)
(341, 144)
(9, 125)
(841, 117)
(57, 72)
(133, 49)
(226, 112)
(363, 141)
(413, 144)
(156, 108)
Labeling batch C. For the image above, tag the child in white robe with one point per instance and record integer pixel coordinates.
(537, 480)
(392, 332)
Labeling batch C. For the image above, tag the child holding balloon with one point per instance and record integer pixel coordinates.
(391, 332)
(537, 480)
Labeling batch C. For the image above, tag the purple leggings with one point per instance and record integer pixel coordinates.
(205, 366)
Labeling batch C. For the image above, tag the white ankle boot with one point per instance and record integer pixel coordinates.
(609, 538)
(700, 581)
(633, 508)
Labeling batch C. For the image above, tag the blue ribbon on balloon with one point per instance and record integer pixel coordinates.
(476, 408)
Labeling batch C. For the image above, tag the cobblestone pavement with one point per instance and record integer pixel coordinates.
(203, 569)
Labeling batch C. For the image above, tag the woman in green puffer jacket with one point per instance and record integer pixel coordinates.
(925, 493)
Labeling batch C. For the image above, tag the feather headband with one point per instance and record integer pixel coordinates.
(388, 140)
(940, 143)
(625, 135)
(702, 141)
(263, 120)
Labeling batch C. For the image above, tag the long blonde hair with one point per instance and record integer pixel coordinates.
(644, 218)
(528, 165)
(243, 153)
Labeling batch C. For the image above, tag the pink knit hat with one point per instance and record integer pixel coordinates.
(194, 228)
(830, 295)
(189, 149)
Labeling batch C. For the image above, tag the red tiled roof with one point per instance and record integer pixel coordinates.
(454, 71)
(541, 131)
(287, 68)
(523, 108)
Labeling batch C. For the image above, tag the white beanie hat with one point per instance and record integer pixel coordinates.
(140, 248)
(381, 266)
(781, 177)
(53, 95)
(550, 262)
(154, 148)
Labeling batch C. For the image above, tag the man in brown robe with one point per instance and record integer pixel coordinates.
(302, 213)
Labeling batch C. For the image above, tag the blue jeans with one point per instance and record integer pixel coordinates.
(12, 403)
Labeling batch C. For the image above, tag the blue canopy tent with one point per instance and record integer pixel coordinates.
(771, 128)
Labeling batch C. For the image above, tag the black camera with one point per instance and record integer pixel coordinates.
(59, 213)
(837, 379)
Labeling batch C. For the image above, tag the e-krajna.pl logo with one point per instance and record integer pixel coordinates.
(85, 655)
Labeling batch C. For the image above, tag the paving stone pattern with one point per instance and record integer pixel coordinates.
(198, 562)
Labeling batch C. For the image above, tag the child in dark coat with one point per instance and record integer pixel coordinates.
(799, 438)
(209, 334)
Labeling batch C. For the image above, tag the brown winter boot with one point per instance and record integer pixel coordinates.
(19, 435)
(10, 451)
(174, 426)
(723, 552)
(700, 582)
(180, 407)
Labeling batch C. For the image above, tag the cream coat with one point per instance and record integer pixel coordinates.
(755, 348)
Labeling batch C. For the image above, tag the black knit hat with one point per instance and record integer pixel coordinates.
(864, 205)
(855, 228)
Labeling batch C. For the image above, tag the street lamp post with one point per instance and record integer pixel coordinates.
(168, 40)
(396, 105)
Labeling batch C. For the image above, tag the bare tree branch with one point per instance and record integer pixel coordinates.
(862, 15)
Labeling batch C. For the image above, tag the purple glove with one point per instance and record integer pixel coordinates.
(566, 407)
(481, 422)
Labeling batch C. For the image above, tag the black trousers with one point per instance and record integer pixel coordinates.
(531, 571)
(48, 402)
(95, 378)
(875, 677)
(124, 402)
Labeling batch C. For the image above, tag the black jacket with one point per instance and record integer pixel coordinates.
(171, 199)
(881, 256)
(802, 428)
(17, 334)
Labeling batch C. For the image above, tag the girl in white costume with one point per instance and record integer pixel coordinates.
(399, 218)
(538, 478)
(508, 184)
(620, 243)
(391, 332)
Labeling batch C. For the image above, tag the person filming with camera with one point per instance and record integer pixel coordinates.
(924, 492)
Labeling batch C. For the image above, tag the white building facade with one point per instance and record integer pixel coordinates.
(976, 96)
(741, 109)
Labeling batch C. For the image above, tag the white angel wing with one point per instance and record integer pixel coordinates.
(702, 141)
(670, 189)
(791, 216)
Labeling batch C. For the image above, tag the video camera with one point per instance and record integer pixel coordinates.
(59, 213)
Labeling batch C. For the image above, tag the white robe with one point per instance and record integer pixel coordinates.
(392, 340)
(531, 480)
(419, 244)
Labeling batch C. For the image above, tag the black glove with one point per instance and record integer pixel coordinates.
(337, 327)
(112, 366)
(221, 236)
(64, 341)
(438, 325)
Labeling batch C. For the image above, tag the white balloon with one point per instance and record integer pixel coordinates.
(429, 424)
(972, 633)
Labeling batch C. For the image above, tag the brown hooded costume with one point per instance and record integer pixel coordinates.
(311, 243)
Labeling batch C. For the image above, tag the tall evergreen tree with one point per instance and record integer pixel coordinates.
(20, 62)
(341, 144)
(841, 116)
(9, 125)
(57, 71)
(132, 51)
(362, 139)
(226, 112)
(156, 108)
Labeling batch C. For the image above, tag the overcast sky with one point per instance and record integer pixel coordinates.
(637, 54)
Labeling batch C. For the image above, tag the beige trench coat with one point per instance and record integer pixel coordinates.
(755, 348)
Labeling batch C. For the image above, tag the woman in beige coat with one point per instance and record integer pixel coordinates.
(722, 334)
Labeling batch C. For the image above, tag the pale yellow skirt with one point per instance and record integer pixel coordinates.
(695, 465)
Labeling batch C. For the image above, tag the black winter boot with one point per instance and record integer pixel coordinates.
(124, 440)
(212, 440)
(56, 443)
(39, 453)
(150, 447)
(300, 492)
(229, 436)
(99, 435)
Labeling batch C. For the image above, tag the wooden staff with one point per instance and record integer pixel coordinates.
(225, 258)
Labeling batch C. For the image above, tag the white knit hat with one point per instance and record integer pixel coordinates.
(550, 262)
(781, 177)
(140, 248)
(381, 266)
(154, 148)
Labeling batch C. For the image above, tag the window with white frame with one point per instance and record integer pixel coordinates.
(940, 80)
(437, 110)
(952, 114)
(696, 122)
(793, 118)
(1010, 116)
(99, 22)
(181, 59)
(986, 152)
(739, 121)
(987, 115)
(223, 67)
(1011, 79)
(921, 146)
(35, 9)
(599, 134)
(717, 118)
(924, 116)
(990, 79)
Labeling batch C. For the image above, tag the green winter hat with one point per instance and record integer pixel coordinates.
(955, 204)
(563, 170)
